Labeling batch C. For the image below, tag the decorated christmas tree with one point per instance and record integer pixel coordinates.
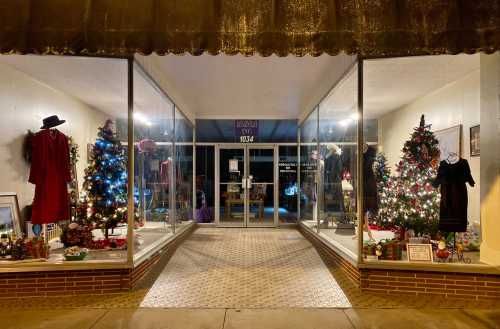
(382, 176)
(408, 199)
(105, 188)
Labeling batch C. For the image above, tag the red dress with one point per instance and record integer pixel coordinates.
(50, 172)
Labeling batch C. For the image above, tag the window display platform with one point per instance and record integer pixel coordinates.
(475, 282)
(88, 277)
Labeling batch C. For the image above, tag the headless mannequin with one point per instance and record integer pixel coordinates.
(366, 214)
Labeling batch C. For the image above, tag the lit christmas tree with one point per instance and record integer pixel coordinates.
(382, 176)
(105, 188)
(408, 199)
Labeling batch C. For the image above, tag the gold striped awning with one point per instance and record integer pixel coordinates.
(282, 27)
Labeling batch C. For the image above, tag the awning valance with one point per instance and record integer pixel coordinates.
(282, 27)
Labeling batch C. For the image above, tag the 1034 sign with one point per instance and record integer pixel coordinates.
(246, 130)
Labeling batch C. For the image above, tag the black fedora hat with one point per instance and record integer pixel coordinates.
(52, 121)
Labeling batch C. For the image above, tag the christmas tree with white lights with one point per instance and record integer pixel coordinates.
(408, 199)
(382, 174)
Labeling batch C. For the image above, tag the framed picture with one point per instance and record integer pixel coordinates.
(10, 219)
(450, 141)
(475, 141)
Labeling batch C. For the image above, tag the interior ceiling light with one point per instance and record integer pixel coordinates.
(142, 119)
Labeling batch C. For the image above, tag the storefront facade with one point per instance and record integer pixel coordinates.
(136, 169)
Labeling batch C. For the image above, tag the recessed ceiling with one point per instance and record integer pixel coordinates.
(389, 84)
(237, 86)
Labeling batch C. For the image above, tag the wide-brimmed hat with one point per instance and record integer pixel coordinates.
(52, 121)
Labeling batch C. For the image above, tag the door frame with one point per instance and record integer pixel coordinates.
(246, 148)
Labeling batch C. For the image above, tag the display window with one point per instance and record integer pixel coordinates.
(183, 170)
(153, 164)
(400, 178)
(337, 169)
(422, 181)
(91, 173)
(65, 160)
(308, 164)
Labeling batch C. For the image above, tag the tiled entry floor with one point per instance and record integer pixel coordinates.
(245, 268)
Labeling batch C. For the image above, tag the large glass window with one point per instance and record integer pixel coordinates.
(423, 178)
(205, 183)
(64, 157)
(183, 169)
(308, 169)
(337, 172)
(153, 142)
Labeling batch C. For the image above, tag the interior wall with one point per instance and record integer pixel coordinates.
(454, 104)
(24, 102)
(490, 154)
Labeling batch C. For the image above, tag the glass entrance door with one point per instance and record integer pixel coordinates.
(247, 190)
(232, 189)
(261, 194)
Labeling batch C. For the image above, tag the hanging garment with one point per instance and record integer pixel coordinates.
(333, 183)
(453, 209)
(50, 172)
(370, 194)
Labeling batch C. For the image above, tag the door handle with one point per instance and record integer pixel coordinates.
(249, 182)
(244, 183)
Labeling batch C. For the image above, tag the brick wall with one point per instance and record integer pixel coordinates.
(444, 284)
(78, 282)
(330, 257)
(411, 282)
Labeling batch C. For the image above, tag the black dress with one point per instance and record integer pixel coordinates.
(333, 182)
(453, 211)
(370, 194)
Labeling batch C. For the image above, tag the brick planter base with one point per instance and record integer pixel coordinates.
(411, 282)
(89, 282)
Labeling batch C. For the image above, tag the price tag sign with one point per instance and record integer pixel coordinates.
(419, 252)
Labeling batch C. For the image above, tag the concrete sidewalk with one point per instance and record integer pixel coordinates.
(157, 318)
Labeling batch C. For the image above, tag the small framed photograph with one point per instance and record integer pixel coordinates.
(475, 141)
(419, 252)
(10, 219)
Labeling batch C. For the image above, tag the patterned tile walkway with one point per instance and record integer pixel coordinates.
(245, 268)
(278, 267)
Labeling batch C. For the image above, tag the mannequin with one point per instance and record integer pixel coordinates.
(333, 177)
(453, 174)
(50, 173)
(370, 196)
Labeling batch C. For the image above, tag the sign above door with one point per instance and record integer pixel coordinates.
(246, 130)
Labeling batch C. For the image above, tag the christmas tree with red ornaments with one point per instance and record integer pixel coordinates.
(408, 199)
